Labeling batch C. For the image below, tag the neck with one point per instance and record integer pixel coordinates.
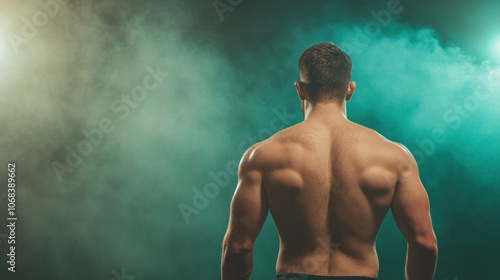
(330, 110)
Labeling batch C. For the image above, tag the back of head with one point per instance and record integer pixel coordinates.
(326, 70)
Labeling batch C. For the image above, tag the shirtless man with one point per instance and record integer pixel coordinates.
(328, 181)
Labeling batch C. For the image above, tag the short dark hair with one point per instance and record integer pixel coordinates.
(326, 71)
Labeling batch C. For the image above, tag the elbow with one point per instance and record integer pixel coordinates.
(237, 248)
(426, 244)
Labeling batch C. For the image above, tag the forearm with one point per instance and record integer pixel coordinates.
(236, 265)
(420, 262)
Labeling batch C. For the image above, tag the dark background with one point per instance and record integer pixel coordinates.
(427, 77)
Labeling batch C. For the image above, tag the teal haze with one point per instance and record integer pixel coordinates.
(152, 196)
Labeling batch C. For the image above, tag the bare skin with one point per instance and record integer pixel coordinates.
(328, 184)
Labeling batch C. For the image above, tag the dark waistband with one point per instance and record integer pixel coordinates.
(298, 276)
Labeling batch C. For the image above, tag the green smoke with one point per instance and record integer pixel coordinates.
(139, 199)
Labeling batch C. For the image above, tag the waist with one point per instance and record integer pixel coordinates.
(299, 276)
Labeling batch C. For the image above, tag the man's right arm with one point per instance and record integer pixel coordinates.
(410, 208)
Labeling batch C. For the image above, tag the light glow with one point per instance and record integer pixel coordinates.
(497, 47)
(3, 50)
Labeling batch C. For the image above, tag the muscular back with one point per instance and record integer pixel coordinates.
(328, 187)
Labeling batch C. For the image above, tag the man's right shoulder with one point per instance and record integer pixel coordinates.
(265, 153)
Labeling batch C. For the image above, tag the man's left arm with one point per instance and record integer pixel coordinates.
(247, 215)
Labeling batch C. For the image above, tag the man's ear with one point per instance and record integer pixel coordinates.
(300, 90)
(350, 91)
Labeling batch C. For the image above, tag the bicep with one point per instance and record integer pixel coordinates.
(410, 205)
(248, 208)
